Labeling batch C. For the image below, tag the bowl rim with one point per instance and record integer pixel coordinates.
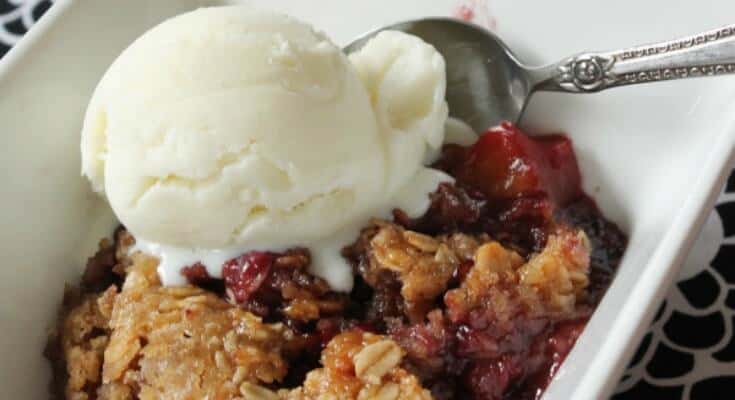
(632, 321)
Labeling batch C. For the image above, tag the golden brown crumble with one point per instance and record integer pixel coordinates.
(358, 365)
(183, 342)
(424, 264)
(85, 337)
(151, 342)
(560, 273)
(550, 283)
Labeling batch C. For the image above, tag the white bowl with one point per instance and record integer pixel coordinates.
(653, 156)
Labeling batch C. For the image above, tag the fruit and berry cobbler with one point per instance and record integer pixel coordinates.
(482, 297)
(301, 223)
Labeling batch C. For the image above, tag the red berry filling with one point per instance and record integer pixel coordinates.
(244, 275)
(507, 164)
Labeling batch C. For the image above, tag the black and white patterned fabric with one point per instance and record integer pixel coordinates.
(16, 16)
(689, 351)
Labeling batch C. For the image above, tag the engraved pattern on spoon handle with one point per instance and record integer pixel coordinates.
(706, 54)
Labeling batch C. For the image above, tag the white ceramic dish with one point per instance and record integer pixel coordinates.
(653, 156)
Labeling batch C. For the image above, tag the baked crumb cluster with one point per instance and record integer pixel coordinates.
(550, 282)
(85, 334)
(480, 298)
(424, 265)
(151, 342)
(360, 365)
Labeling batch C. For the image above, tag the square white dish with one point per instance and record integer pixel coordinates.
(653, 156)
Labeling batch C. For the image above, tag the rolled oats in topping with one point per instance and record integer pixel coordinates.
(376, 359)
(251, 391)
(152, 342)
(423, 265)
(551, 282)
(359, 365)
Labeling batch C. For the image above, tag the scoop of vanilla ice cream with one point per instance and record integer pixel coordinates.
(406, 79)
(231, 125)
(229, 129)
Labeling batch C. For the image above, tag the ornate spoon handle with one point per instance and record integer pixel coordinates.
(706, 54)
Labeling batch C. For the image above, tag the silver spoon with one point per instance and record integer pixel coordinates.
(487, 84)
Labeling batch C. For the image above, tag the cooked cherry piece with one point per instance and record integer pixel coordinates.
(507, 164)
(243, 275)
